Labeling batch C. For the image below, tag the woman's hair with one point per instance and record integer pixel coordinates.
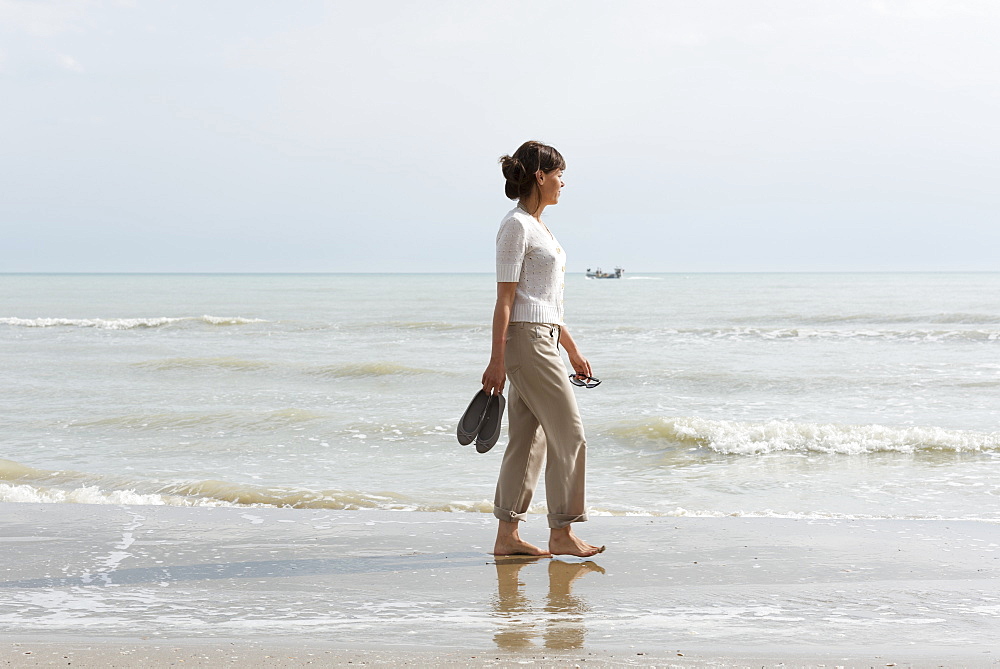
(519, 169)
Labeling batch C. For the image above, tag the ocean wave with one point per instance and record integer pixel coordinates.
(367, 369)
(24, 484)
(209, 494)
(228, 320)
(220, 493)
(748, 438)
(27, 484)
(397, 431)
(251, 495)
(894, 335)
(125, 323)
(25, 493)
(235, 364)
(235, 420)
(429, 326)
(10, 470)
(39, 486)
(21, 483)
(751, 333)
(957, 318)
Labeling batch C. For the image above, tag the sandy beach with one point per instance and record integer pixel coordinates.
(93, 585)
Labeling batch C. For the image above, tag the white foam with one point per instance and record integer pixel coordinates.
(925, 335)
(229, 320)
(123, 323)
(746, 438)
(94, 495)
(99, 323)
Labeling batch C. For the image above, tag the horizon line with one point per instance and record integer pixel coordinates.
(370, 273)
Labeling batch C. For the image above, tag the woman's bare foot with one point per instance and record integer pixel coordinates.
(564, 542)
(509, 542)
(518, 548)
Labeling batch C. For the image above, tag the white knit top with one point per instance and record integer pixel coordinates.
(530, 255)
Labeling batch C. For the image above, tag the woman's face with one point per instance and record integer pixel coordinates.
(549, 186)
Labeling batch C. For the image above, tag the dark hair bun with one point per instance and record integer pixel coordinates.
(519, 169)
(517, 177)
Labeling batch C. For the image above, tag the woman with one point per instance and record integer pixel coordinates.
(543, 419)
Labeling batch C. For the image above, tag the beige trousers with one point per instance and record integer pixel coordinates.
(545, 427)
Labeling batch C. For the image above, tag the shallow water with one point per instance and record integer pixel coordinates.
(816, 395)
(898, 590)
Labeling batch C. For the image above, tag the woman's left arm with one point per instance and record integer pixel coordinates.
(580, 364)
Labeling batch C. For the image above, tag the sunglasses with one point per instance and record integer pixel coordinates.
(584, 381)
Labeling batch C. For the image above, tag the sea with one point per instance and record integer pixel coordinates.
(783, 395)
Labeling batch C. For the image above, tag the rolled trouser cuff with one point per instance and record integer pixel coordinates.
(557, 521)
(509, 516)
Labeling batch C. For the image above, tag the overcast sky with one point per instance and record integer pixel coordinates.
(737, 135)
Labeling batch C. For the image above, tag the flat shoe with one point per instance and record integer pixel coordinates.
(472, 420)
(489, 433)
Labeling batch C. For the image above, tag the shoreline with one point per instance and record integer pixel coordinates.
(152, 585)
(242, 654)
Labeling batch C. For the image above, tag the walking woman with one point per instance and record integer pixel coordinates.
(543, 418)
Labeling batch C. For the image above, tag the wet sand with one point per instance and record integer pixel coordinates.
(92, 585)
(235, 654)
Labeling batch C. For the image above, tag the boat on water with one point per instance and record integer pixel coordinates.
(600, 274)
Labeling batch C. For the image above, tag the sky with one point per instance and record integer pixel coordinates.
(314, 136)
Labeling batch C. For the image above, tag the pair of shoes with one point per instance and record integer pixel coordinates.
(481, 421)
(489, 433)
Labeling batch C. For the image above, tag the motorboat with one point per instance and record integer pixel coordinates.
(601, 274)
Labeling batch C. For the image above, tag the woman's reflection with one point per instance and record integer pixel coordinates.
(562, 615)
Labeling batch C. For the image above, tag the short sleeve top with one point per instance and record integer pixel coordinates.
(530, 255)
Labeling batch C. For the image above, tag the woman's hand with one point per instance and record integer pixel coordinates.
(494, 378)
(495, 375)
(580, 364)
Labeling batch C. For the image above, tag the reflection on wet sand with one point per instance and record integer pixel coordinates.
(519, 622)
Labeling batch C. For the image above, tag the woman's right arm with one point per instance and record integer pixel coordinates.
(495, 375)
